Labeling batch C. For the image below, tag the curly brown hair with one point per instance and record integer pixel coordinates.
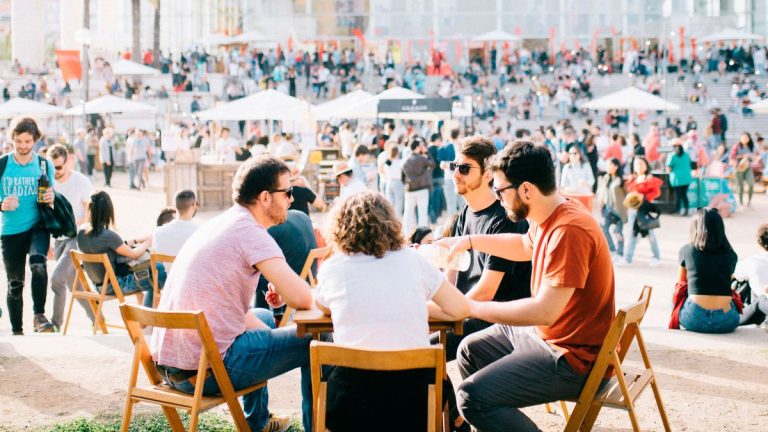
(365, 223)
(762, 236)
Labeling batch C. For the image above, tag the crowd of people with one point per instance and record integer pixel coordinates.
(538, 290)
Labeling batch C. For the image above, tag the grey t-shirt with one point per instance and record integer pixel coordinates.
(106, 242)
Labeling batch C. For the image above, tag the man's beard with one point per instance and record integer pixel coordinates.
(463, 189)
(519, 210)
(276, 214)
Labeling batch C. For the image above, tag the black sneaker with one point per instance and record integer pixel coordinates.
(18, 332)
(42, 325)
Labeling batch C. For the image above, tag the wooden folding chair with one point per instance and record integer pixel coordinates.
(162, 394)
(324, 353)
(154, 259)
(624, 388)
(95, 297)
(318, 254)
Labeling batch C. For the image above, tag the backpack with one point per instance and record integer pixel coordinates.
(59, 220)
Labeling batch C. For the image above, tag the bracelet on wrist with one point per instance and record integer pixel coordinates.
(470, 242)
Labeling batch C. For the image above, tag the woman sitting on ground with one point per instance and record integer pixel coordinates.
(96, 237)
(378, 294)
(707, 263)
(755, 270)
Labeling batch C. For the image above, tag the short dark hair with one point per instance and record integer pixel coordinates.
(762, 236)
(434, 137)
(26, 125)
(256, 175)
(708, 231)
(478, 148)
(57, 151)
(524, 161)
(418, 235)
(185, 199)
(416, 143)
(361, 150)
(455, 134)
(166, 215)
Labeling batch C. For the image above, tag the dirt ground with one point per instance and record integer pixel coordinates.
(708, 382)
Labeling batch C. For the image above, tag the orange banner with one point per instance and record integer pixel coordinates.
(69, 63)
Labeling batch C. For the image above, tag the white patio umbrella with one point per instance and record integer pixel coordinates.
(632, 99)
(251, 36)
(496, 36)
(128, 67)
(109, 104)
(731, 35)
(17, 107)
(264, 105)
(369, 109)
(759, 107)
(215, 39)
(323, 112)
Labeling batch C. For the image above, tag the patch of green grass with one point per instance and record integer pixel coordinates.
(150, 422)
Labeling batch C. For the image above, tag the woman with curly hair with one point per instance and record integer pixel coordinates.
(378, 294)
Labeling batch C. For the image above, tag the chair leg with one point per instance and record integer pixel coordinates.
(633, 418)
(99, 323)
(69, 314)
(173, 419)
(577, 417)
(590, 418)
(660, 404)
(127, 414)
(193, 417)
(549, 409)
(564, 407)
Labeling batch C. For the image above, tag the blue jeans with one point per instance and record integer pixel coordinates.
(129, 285)
(436, 200)
(256, 356)
(395, 193)
(629, 251)
(612, 218)
(697, 319)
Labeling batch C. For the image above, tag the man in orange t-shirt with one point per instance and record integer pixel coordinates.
(542, 348)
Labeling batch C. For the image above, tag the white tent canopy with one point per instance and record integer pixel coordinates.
(631, 98)
(251, 36)
(760, 107)
(264, 105)
(731, 35)
(128, 67)
(369, 108)
(109, 104)
(17, 107)
(496, 36)
(323, 112)
(215, 39)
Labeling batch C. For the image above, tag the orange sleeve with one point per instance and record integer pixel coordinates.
(566, 263)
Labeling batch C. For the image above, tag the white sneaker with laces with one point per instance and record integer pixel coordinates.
(655, 262)
(622, 262)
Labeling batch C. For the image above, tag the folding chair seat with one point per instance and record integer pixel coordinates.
(158, 392)
(83, 288)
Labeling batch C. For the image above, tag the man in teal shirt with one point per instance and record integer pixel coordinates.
(22, 231)
(679, 168)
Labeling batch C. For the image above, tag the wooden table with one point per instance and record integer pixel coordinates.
(314, 321)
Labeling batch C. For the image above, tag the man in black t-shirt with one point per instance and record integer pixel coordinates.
(488, 278)
(303, 196)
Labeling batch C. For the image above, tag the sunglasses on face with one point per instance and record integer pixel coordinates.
(58, 167)
(288, 192)
(500, 191)
(462, 168)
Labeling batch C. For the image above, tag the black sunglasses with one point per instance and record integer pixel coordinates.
(463, 168)
(500, 191)
(58, 167)
(288, 191)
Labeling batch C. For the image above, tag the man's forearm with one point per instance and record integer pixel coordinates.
(507, 246)
(518, 312)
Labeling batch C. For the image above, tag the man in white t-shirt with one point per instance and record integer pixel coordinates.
(755, 270)
(350, 184)
(170, 238)
(77, 189)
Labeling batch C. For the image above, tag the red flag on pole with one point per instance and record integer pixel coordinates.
(69, 63)
(290, 44)
(693, 49)
(552, 42)
(682, 42)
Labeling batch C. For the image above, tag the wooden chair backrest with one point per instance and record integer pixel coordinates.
(80, 258)
(318, 254)
(135, 316)
(323, 353)
(154, 259)
(623, 330)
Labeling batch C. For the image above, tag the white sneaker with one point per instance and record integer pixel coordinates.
(655, 262)
(622, 262)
